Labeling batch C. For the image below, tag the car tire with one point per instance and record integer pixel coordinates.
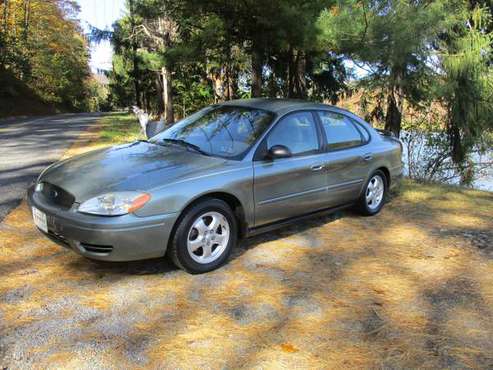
(198, 245)
(373, 195)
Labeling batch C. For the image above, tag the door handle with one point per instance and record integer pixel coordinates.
(367, 157)
(317, 167)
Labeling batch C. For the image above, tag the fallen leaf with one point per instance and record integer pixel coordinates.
(288, 347)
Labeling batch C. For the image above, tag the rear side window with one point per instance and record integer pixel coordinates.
(297, 131)
(339, 131)
(362, 130)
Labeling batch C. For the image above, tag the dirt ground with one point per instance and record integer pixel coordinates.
(410, 287)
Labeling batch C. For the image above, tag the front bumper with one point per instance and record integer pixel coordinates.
(119, 238)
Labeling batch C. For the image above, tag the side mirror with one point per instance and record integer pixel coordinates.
(278, 151)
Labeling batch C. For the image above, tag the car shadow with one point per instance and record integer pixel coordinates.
(143, 267)
(289, 230)
(164, 266)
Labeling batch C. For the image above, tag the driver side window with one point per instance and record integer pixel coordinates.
(297, 132)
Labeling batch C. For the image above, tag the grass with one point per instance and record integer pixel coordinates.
(117, 128)
(409, 288)
(112, 129)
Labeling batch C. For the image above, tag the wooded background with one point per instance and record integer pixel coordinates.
(422, 66)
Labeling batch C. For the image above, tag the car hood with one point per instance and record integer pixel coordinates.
(135, 166)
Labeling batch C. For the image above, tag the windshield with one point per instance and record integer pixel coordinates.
(222, 131)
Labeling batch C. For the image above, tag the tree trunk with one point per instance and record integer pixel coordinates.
(3, 46)
(290, 74)
(296, 74)
(167, 96)
(301, 74)
(458, 151)
(272, 85)
(393, 117)
(27, 8)
(13, 15)
(456, 147)
(136, 76)
(233, 83)
(159, 89)
(135, 62)
(6, 16)
(256, 90)
(147, 101)
(217, 77)
(227, 78)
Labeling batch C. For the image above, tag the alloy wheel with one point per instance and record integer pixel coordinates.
(208, 237)
(374, 192)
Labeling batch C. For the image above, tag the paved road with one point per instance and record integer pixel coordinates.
(28, 145)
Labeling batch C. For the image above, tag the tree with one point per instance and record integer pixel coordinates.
(278, 28)
(392, 39)
(467, 84)
(134, 47)
(42, 45)
(236, 48)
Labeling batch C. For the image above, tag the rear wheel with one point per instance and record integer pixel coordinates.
(372, 199)
(204, 238)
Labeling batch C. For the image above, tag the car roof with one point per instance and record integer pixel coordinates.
(278, 106)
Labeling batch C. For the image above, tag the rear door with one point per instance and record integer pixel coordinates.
(289, 187)
(347, 157)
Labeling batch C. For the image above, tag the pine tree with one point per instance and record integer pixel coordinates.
(392, 40)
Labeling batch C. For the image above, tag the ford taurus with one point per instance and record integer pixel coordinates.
(226, 172)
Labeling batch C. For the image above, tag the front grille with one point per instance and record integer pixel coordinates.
(93, 248)
(57, 196)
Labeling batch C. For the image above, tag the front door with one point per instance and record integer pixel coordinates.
(289, 187)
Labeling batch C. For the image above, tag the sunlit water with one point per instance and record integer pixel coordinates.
(483, 178)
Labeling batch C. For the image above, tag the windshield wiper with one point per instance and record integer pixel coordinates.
(145, 141)
(186, 144)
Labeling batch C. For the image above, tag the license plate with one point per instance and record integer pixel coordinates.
(40, 219)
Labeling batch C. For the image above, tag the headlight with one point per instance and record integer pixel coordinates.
(115, 204)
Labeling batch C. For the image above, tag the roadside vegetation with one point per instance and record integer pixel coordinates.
(44, 59)
(422, 67)
(118, 128)
(111, 129)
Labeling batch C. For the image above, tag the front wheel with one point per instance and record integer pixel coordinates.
(372, 199)
(204, 238)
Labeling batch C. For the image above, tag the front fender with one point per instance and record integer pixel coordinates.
(175, 197)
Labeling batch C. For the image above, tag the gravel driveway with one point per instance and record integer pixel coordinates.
(409, 288)
(28, 145)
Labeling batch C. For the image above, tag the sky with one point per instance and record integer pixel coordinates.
(101, 14)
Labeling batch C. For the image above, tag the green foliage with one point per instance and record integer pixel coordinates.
(467, 85)
(392, 40)
(119, 128)
(193, 90)
(97, 96)
(217, 41)
(385, 33)
(173, 57)
(121, 84)
(41, 44)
